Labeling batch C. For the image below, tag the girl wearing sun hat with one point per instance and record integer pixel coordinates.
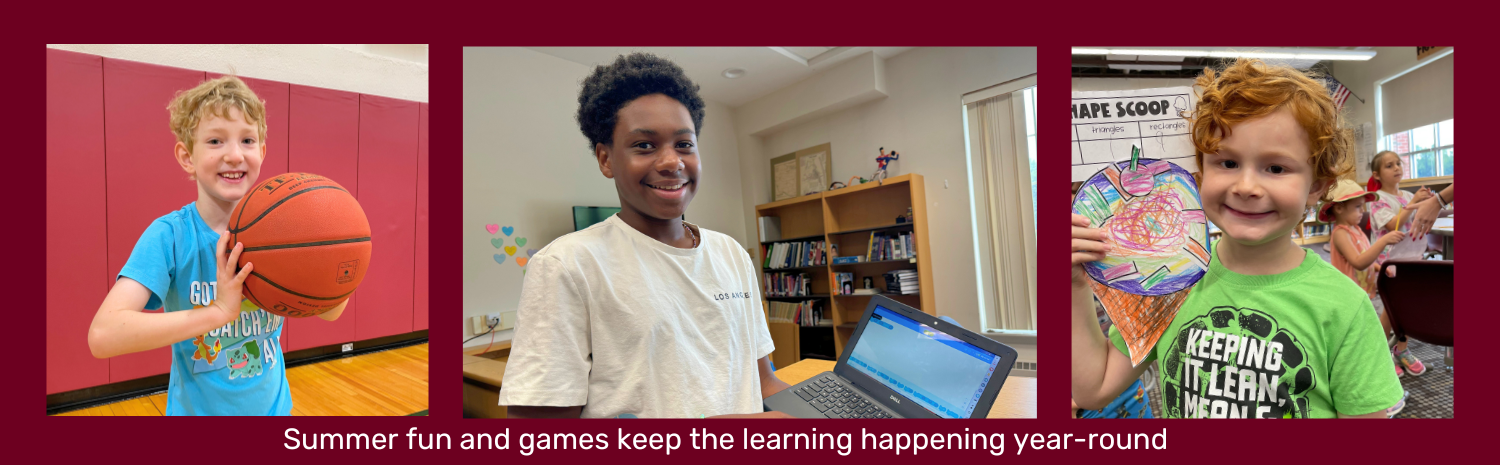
(1352, 253)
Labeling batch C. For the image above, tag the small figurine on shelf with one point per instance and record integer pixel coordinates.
(882, 161)
(869, 282)
(903, 219)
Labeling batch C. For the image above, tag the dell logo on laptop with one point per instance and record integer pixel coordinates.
(895, 399)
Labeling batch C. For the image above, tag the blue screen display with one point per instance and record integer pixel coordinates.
(940, 372)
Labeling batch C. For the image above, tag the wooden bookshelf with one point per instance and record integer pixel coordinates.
(846, 218)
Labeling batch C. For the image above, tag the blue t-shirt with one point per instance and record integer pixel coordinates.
(233, 370)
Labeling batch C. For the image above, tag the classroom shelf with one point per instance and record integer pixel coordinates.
(798, 297)
(795, 268)
(912, 260)
(1319, 239)
(1428, 181)
(817, 237)
(879, 293)
(840, 216)
(892, 227)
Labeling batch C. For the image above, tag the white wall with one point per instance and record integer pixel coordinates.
(922, 118)
(526, 164)
(397, 71)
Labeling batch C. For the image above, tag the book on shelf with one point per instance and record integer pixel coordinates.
(787, 284)
(804, 313)
(848, 259)
(770, 228)
(863, 291)
(902, 282)
(843, 283)
(795, 254)
(890, 246)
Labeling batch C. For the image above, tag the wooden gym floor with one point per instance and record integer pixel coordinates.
(392, 382)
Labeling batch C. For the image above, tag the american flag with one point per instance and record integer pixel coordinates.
(1337, 90)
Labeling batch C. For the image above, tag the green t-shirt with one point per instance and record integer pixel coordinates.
(1301, 344)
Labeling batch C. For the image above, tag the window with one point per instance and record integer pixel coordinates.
(1426, 151)
(1000, 135)
(1031, 140)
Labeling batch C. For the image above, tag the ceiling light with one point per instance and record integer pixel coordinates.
(734, 73)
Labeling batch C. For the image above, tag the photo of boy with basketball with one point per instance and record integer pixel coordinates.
(226, 359)
(225, 282)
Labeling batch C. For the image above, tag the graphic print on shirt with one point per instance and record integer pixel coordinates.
(245, 346)
(1236, 363)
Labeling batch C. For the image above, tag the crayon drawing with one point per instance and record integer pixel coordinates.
(1154, 220)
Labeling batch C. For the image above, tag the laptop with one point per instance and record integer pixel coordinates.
(902, 363)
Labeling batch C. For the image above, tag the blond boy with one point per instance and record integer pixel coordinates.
(226, 355)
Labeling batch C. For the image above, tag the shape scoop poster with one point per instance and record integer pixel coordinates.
(1107, 125)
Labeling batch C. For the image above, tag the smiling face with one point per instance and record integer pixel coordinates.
(1388, 169)
(1259, 184)
(654, 157)
(225, 158)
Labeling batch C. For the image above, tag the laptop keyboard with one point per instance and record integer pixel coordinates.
(837, 401)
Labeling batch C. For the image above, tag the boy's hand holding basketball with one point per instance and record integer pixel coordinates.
(1088, 246)
(231, 284)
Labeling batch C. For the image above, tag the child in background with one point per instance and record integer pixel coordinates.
(1352, 253)
(1392, 211)
(1272, 330)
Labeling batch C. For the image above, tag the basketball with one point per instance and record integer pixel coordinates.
(309, 240)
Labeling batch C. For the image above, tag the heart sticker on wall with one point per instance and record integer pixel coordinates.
(492, 228)
(497, 242)
(531, 252)
(521, 261)
(510, 250)
(500, 259)
(508, 230)
(521, 241)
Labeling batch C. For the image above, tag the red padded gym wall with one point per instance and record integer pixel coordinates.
(143, 181)
(419, 291)
(76, 253)
(388, 180)
(323, 138)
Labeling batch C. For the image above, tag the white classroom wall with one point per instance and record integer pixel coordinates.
(396, 71)
(920, 116)
(526, 164)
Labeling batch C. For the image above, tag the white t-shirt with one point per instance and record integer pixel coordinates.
(618, 322)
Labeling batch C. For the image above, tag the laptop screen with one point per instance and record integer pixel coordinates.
(941, 373)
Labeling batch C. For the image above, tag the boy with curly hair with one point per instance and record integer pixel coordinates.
(1272, 330)
(642, 314)
(226, 354)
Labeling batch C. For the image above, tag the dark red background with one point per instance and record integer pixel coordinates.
(1053, 26)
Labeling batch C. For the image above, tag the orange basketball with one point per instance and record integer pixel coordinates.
(309, 241)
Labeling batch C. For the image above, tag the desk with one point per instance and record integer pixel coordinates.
(482, 380)
(1444, 227)
(1017, 398)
